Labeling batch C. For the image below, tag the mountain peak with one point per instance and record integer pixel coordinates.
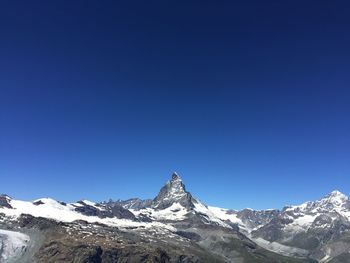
(336, 197)
(174, 191)
(175, 177)
(337, 193)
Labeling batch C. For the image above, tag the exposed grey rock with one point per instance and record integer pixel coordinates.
(144, 218)
(254, 218)
(41, 223)
(38, 202)
(120, 212)
(104, 211)
(342, 258)
(190, 235)
(5, 201)
(132, 203)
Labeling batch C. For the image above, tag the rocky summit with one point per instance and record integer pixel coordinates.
(174, 191)
(175, 226)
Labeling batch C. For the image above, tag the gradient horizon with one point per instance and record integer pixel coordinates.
(247, 101)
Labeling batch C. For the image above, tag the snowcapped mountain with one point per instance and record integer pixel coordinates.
(318, 227)
(335, 202)
(173, 227)
(174, 191)
(174, 203)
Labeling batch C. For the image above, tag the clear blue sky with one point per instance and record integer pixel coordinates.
(249, 101)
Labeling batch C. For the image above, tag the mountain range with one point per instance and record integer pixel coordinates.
(175, 226)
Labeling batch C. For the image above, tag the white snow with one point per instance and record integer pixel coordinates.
(89, 203)
(280, 249)
(335, 201)
(175, 212)
(52, 209)
(201, 208)
(223, 214)
(12, 244)
(300, 224)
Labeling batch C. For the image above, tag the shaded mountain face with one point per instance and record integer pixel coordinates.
(173, 227)
(103, 210)
(252, 218)
(132, 203)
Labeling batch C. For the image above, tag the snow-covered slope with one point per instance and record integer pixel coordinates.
(52, 209)
(335, 202)
(12, 244)
(227, 215)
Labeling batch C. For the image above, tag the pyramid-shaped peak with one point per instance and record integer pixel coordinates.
(174, 191)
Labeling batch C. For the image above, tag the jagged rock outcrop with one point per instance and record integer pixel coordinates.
(5, 201)
(132, 203)
(254, 218)
(103, 211)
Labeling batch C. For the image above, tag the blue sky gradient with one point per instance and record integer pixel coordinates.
(249, 101)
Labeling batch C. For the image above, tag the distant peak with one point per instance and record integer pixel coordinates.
(174, 191)
(336, 194)
(336, 198)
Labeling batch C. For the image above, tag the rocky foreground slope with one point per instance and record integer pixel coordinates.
(173, 227)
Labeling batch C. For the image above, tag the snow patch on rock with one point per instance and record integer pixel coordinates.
(12, 244)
